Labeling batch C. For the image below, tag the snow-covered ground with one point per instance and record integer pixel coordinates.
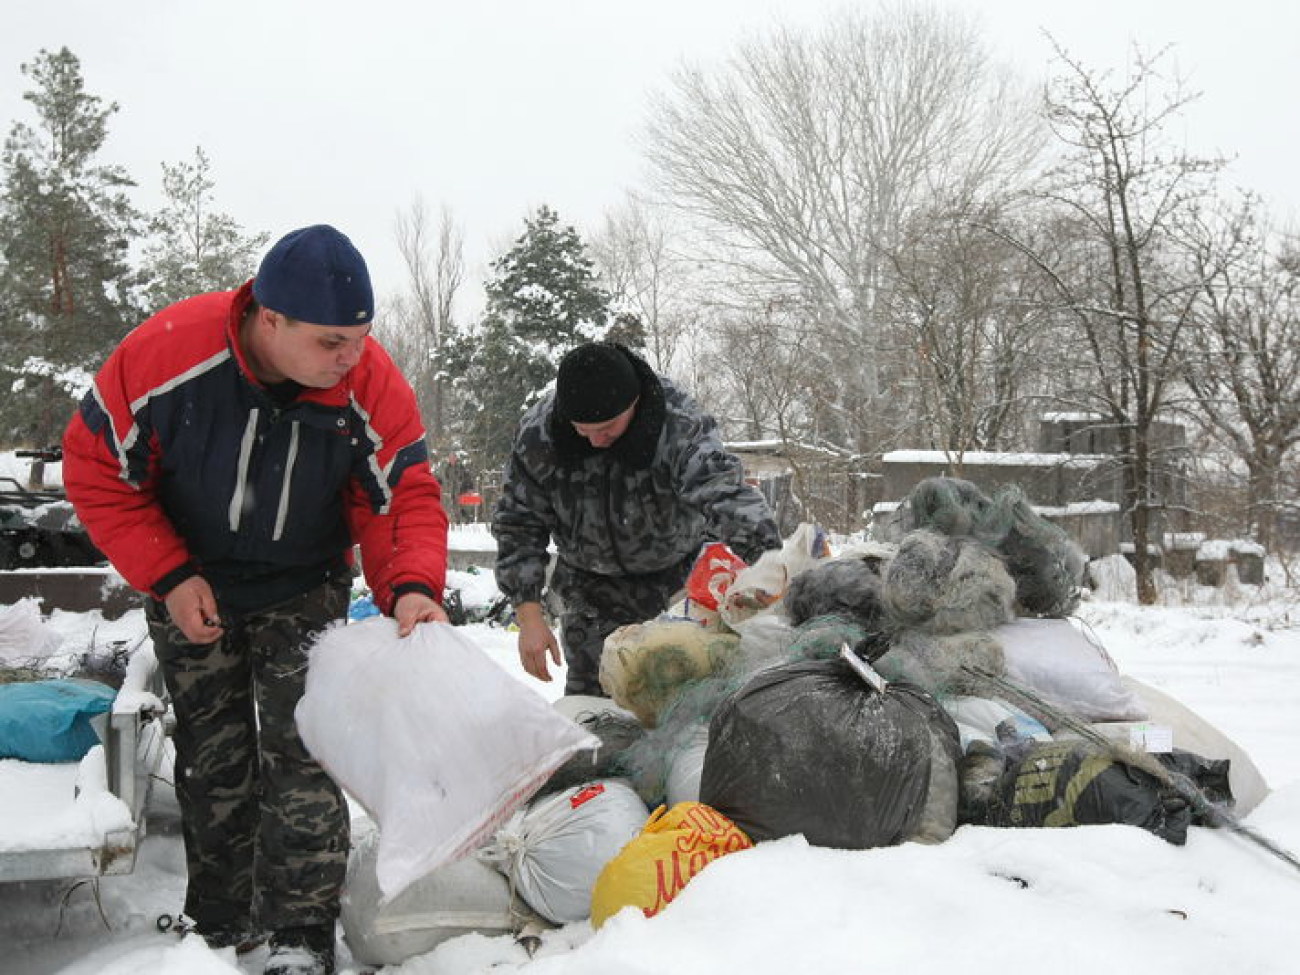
(1108, 899)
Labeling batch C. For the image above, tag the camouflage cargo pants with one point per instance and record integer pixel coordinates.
(265, 829)
(596, 605)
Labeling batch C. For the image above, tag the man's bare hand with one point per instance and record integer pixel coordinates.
(536, 641)
(415, 607)
(193, 608)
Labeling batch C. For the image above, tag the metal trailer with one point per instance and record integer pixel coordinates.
(134, 735)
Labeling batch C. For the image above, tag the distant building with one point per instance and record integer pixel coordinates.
(803, 482)
(1075, 480)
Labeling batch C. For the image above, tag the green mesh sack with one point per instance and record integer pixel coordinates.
(939, 584)
(943, 665)
(823, 637)
(644, 666)
(1046, 564)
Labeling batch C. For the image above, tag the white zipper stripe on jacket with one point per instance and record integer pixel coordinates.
(127, 440)
(376, 442)
(241, 473)
(283, 510)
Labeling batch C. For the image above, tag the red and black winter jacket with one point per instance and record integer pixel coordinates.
(179, 461)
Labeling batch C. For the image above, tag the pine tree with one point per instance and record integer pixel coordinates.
(194, 248)
(66, 285)
(543, 298)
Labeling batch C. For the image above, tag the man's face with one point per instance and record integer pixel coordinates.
(604, 434)
(318, 356)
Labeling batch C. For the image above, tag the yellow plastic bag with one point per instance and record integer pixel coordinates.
(652, 869)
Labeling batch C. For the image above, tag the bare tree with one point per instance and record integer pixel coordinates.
(1244, 368)
(809, 154)
(425, 312)
(971, 332)
(645, 276)
(1126, 199)
(766, 367)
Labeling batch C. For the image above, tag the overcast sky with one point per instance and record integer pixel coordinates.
(326, 111)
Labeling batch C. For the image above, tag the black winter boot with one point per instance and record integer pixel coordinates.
(307, 950)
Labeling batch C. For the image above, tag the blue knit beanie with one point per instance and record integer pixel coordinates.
(316, 275)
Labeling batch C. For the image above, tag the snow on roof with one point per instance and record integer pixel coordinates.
(777, 447)
(1073, 417)
(1094, 507)
(1077, 508)
(992, 458)
(1214, 550)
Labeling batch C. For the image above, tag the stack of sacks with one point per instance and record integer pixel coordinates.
(672, 672)
(435, 741)
(665, 762)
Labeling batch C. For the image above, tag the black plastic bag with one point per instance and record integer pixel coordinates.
(808, 747)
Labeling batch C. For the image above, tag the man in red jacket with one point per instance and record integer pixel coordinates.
(232, 450)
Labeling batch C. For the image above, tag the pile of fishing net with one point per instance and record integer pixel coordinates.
(775, 716)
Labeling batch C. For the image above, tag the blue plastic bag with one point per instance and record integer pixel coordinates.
(49, 720)
(362, 608)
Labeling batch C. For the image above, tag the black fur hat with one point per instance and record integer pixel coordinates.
(596, 382)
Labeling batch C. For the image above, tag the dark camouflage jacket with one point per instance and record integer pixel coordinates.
(643, 505)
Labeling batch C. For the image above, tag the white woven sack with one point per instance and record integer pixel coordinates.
(434, 739)
(1068, 669)
(553, 851)
(458, 898)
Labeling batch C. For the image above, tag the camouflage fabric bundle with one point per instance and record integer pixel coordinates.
(1069, 783)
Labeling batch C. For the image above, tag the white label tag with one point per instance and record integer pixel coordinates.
(1151, 738)
(869, 675)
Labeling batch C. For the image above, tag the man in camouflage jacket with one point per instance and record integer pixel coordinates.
(629, 478)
